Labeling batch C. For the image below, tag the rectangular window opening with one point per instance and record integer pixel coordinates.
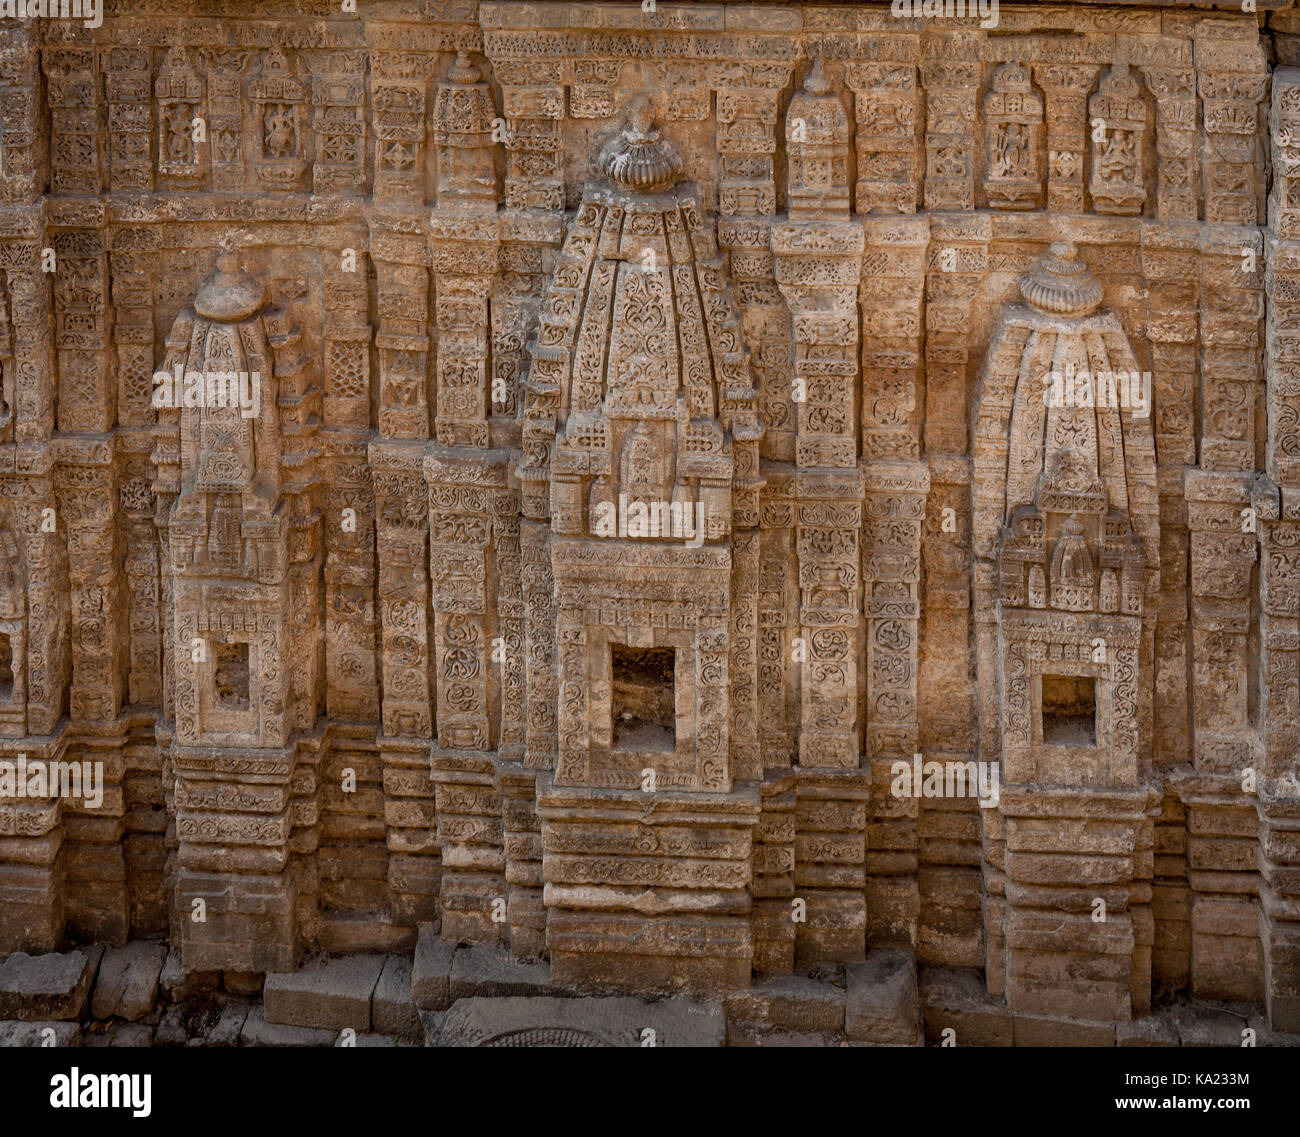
(231, 676)
(644, 690)
(1069, 710)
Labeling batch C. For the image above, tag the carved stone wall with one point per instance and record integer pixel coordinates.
(668, 425)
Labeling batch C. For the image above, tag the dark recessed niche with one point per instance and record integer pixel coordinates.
(644, 698)
(6, 667)
(231, 677)
(1069, 710)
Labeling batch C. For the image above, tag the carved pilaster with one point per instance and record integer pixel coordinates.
(130, 157)
(747, 108)
(1178, 182)
(1065, 88)
(887, 112)
(1232, 79)
(948, 80)
(338, 122)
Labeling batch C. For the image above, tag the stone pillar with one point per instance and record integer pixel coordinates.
(747, 107)
(891, 570)
(410, 816)
(225, 117)
(24, 137)
(33, 904)
(347, 338)
(465, 494)
(949, 79)
(464, 252)
(1232, 79)
(88, 504)
(1065, 87)
(76, 140)
(1177, 169)
(532, 96)
(1170, 264)
(1221, 822)
(778, 620)
(956, 263)
(1276, 501)
(338, 121)
(399, 115)
(887, 111)
(773, 887)
(127, 90)
(82, 317)
(402, 339)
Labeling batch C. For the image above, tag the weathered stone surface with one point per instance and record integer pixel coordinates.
(127, 983)
(791, 1003)
(486, 972)
(548, 1021)
(50, 986)
(392, 1008)
(431, 971)
(170, 1030)
(1206, 1026)
(668, 497)
(956, 1001)
(258, 1032)
(330, 994)
(432, 1023)
(883, 1004)
(175, 983)
(1147, 1030)
(229, 1028)
(15, 1032)
(131, 1034)
(1031, 1030)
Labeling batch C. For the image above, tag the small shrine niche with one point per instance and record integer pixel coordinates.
(463, 116)
(178, 92)
(228, 539)
(640, 372)
(1074, 538)
(1117, 117)
(279, 105)
(817, 142)
(1069, 710)
(1013, 117)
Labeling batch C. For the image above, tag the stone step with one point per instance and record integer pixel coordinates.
(392, 1008)
(127, 985)
(55, 985)
(330, 994)
(883, 1005)
(258, 1032)
(483, 971)
(955, 999)
(791, 1003)
(443, 972)
(431, 971)
(119, 1034)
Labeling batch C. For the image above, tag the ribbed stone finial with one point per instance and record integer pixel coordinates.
(641, 159)
(1061, 284)
(229, 294)
(464, 71)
